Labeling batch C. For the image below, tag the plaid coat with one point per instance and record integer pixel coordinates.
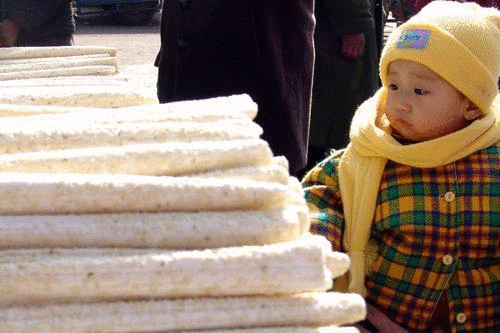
(437, 230)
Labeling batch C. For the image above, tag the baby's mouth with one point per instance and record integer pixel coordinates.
(399, 137)
(403, 123)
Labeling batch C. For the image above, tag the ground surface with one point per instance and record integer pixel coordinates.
(136, 46)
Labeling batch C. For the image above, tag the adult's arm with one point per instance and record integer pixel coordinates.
(350, 20)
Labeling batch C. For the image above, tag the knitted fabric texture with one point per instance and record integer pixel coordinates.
(458, 41)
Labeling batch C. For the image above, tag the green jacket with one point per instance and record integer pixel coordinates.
(340, 84)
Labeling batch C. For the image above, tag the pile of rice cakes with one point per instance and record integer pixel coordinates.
(133, 216)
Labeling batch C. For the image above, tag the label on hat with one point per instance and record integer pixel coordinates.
(413, 39)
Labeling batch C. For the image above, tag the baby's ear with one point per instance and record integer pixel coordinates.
(472, 112)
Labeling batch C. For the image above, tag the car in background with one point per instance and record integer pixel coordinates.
(125, 11)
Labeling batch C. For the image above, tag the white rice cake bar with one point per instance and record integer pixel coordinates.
(60, 72)
(253, 157)
(89, 91)
(310, 310)
(53, 51)
(48, 60)
(58, 63)
(303, 265)
(174, 230)
(270, 172)
(206, 110)
(14, 137)
(52, 194)
(22, 110)
(55, 67)
(296, 197)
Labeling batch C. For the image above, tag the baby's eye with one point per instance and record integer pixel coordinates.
(419, 91)
(392, 86)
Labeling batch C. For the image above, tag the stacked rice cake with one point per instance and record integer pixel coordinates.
(84, 76)
(173, 217)
(42, 62)
(77, 91)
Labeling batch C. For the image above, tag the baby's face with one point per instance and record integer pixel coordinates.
(421, 105)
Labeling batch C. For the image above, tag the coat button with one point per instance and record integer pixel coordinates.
(184, 3)
(449, 196)
(182, 43)
(447, 260)
(461, 318)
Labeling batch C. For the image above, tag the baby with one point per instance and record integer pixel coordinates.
(414, 199)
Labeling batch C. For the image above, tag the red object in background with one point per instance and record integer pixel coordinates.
(402, 10)
(419, 4)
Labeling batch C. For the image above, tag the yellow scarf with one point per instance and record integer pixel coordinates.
(364, 159)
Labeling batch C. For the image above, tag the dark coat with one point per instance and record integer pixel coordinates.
(43, 22)
(340, 84)
(264, 48)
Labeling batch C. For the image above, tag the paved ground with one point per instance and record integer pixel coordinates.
(136, 46)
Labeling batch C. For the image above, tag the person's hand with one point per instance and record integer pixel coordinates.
(353, 46)
(9, 30)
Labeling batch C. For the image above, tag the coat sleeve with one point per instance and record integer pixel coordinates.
(322, 194)
(31, 14)
(349, 16)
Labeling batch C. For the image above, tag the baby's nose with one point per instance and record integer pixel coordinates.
(401, 102)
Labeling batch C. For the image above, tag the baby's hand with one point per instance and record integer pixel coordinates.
(381, 322)
(9, 30)
(438, 330)
(362, 329)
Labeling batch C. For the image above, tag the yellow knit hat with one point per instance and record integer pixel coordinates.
(458, 41)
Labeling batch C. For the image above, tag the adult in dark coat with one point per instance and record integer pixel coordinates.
(264, 48)
(346, 70)
(36, 23)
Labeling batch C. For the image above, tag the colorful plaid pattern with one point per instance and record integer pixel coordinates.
(438, 231)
